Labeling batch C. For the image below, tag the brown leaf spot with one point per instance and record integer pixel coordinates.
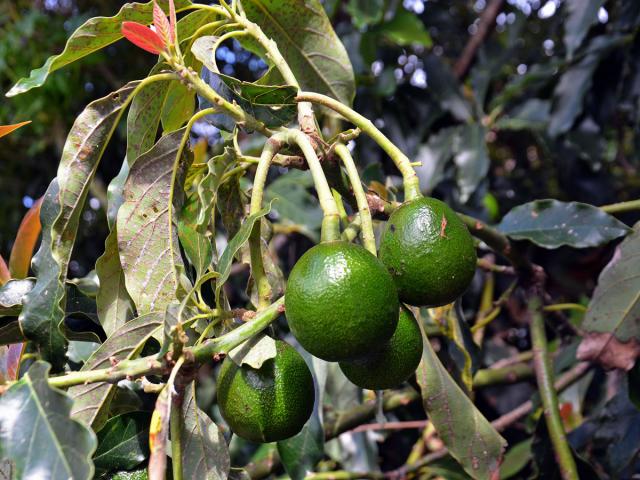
(608, 351)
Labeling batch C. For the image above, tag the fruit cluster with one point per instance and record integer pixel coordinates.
(345, 305)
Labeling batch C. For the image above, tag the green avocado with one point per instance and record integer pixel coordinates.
(340, 301)
(392, 364)
(270, 403)
(429, 252)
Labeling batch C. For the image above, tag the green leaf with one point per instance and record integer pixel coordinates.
(301, 453)
(190, 23)
(365, 12)
(552, 224)
(404, 29)
(43, 309)
(274, 105)
(37, 433)
(612, 332)
(254, 352)
(197, 246)
(533, 114)
(239, 239)
(115, 306)
(11, 296)
(516, 458)
(446, 88)
(466, 433)
(295, 204)
(123, 442)
(144, 117)
(204, 450)
(10, 332)
(179, 105)
(93, 35)
(91, 401)
(135, 475)
(575, 83)
(471, 159)
(580, 16)
(147, 237)
(308, 43)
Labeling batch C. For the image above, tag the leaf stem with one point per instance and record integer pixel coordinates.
(410, 178)
(331, 220)
(544, 376)
(368, 238)
(260, 278)
(621, 207)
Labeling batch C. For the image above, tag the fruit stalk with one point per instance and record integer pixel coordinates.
(544, 376)
(368, 238)
(331, 220)
(410, 178)
(271, 148)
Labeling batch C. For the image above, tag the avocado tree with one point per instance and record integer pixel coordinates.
(188, 352)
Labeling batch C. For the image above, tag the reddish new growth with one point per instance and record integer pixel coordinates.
(158, 39)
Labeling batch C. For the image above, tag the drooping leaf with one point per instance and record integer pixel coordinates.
(239, 239)
(11, 295)
(43, 309)
(123, 442)
(114, 304)
(7, 129)
(551, 224)
(204, 449)
(93, 35)
(471, 159)
(315, 54)
(147, 236)
(195, 242)
(144, 117)
(38, 435)
(91, 402)
(581, 15)
(575, 82)
(115, 194)
(466, 433)
(612, 333)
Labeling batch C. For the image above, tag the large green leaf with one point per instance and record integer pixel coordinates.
(612, 332)
(43, 309)
(307, 41)
(91, 402)
(581, 15)
(196, 244)
(93, 35)
(38, 435)
(301, 453)
(466, 433)
(147, 236)
(551, 224)
(204, 450)
(123, 443)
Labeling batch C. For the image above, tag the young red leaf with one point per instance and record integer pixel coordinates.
(142, 37)
(7, 129)
(161, 23)
(172, 21)
(25, 242)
